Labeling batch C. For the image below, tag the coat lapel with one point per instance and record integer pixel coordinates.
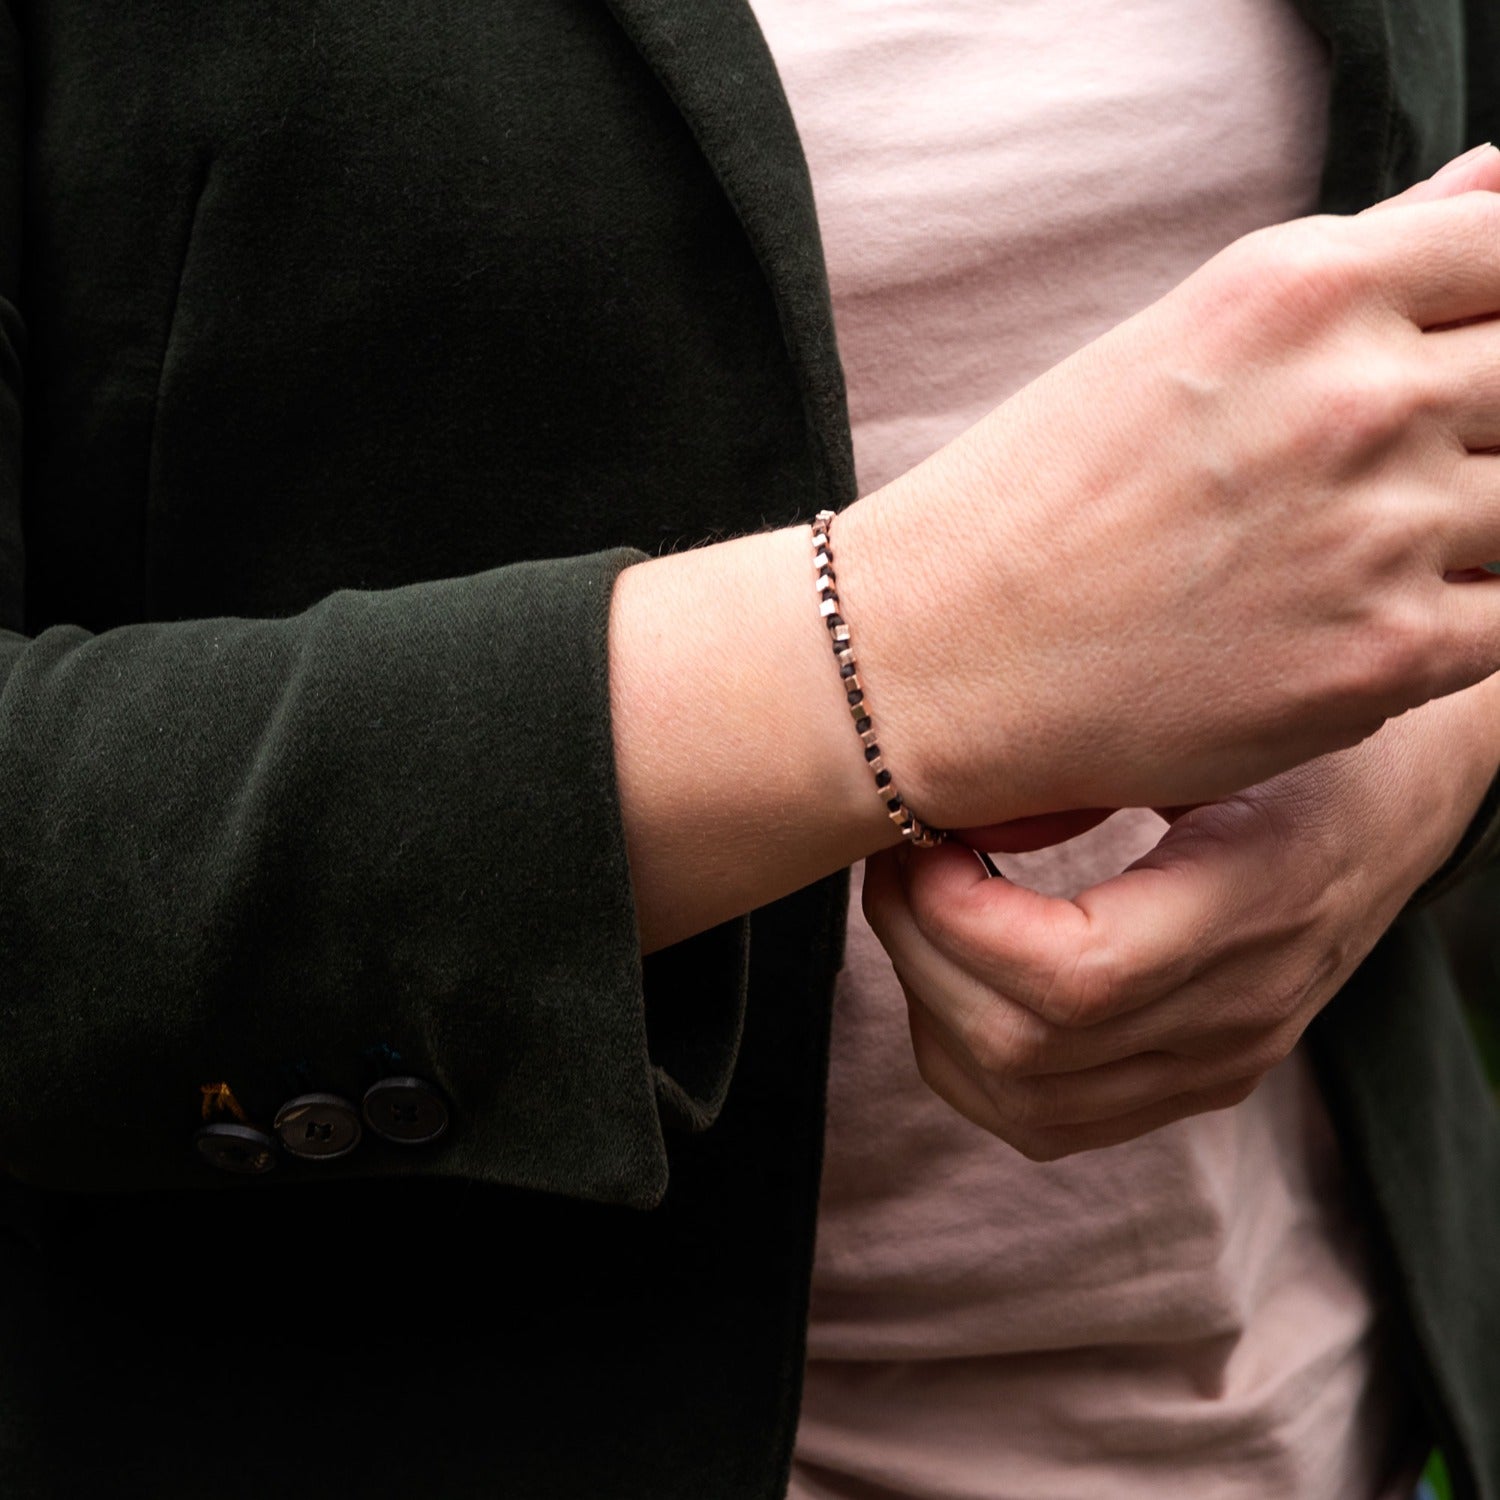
(1394, 113)
(712, 60)
(1388, 126)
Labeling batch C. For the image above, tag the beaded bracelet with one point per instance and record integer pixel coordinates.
(911, 827)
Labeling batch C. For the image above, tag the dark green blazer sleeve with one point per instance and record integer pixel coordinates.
(377, 835)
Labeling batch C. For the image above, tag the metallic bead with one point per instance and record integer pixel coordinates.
(910, 826)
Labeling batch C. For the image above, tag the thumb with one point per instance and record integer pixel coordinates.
(1172, 814)
(1023, 936)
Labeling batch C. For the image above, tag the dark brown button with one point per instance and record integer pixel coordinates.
(237, 1148)
(318, 1126)
(408, 1111)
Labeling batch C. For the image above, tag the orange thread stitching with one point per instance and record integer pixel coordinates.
(218, 1099)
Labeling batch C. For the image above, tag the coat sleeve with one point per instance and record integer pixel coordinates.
(247, 860)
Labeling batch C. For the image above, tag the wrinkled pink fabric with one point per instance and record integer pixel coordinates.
(998, 181)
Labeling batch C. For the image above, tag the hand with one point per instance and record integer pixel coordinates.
(1064, 1026)
(1234, 533)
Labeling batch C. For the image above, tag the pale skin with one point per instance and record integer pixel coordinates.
(1213, 558)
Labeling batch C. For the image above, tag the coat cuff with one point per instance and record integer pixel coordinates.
(380, 839)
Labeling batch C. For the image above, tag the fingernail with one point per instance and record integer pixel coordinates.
(1473, 154)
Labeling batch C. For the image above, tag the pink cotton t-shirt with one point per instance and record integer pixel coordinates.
(1192, 1314)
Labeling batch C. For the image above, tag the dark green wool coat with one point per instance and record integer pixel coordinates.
(347, 353)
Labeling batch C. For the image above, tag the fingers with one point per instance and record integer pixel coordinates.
(1470, 627)
(1469, 528)
(1465, 375)
(1046, 1124)
(1068, 1140)
(1474, 170)
(942, 1072)
(1436, 261)
(1119, 946)
(999, 1034)
(1242, 1016)
(1106, 1092)
(1003, 934)
(1050, 1089)
(1467, 535)
(1207, 1025)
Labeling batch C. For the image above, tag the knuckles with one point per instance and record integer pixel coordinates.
(1092, 983)
(1007, 1041)
(1358, 404)
(1315, 283)
(1262, 1055)
(1394, 665)
(1303, 273)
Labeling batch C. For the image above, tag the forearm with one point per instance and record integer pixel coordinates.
(741, 776)
(1055, 610)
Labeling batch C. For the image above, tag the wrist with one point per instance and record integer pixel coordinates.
(902, 591)
(838, 779)
(882, 780)
(740, 774)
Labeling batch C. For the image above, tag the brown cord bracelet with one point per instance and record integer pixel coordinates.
(913, 830)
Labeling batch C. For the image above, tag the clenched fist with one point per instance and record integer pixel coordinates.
(1238, 531)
